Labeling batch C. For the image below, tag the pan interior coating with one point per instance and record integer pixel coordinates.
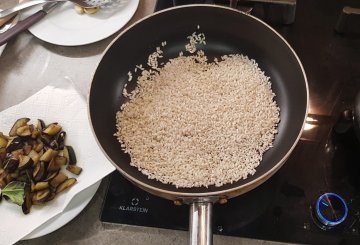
(235, 33)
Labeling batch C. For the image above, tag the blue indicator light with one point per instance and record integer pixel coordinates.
(333, 210)
(324, 203)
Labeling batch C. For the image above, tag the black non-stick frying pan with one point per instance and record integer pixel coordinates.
(227, 31)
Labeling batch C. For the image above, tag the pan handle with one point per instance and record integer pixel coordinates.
(201, 223)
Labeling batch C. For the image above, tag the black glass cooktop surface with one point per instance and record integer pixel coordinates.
(282, 209)
(290, 206)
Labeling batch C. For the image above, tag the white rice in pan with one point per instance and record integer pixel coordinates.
(194, 123)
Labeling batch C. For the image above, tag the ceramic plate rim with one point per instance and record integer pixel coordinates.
(48, 30)
(65, 217)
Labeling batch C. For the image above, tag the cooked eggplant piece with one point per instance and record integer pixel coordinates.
(41, 186)
(39, 172)
(26, 206)
(25, 162)
(2, 157)
(53, 166)
(65, 153)
(3, 140)
(40, 196)
(65, 185)
(2, 183)
(54, 145)
(2, 153)
(60, 160)
(41, 152)
(17, 153)
(3, 175)
(19, 123)
(8, 178)
(11, 164)
(29, 176)
(34, 156)
(40, 125)
(56, 163)
(3, 172)
(51, 196)
(50, 176)
(52, 129)
(70, 154)
(24, 131)
(74, 169)
(59, 142)
(22, 177)
(46, 139)
(60, 178)
(27, 148)
(48, 155)
(15, 144)
(60, 139)
(38, 146)
(35, 132)
(14, 175)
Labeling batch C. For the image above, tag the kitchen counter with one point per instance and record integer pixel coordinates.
(27, 65)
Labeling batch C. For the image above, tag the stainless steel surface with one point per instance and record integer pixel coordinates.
(28, 4)
(200, 223)
(30, 64)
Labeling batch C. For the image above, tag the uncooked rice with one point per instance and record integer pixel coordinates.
(194, 39)
(130, 77)
(153, 58)
(197, 123)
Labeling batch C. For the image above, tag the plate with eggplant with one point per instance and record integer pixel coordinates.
(50, 163)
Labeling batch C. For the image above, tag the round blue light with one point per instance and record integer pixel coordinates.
(322, 201)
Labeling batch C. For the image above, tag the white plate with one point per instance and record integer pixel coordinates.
(77, 204)
(63, 26)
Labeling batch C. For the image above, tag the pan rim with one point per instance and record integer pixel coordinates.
(220, 193)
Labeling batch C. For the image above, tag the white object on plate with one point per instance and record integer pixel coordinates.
(63, 26)
(77, 204)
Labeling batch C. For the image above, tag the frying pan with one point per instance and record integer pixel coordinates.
(227, 31)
